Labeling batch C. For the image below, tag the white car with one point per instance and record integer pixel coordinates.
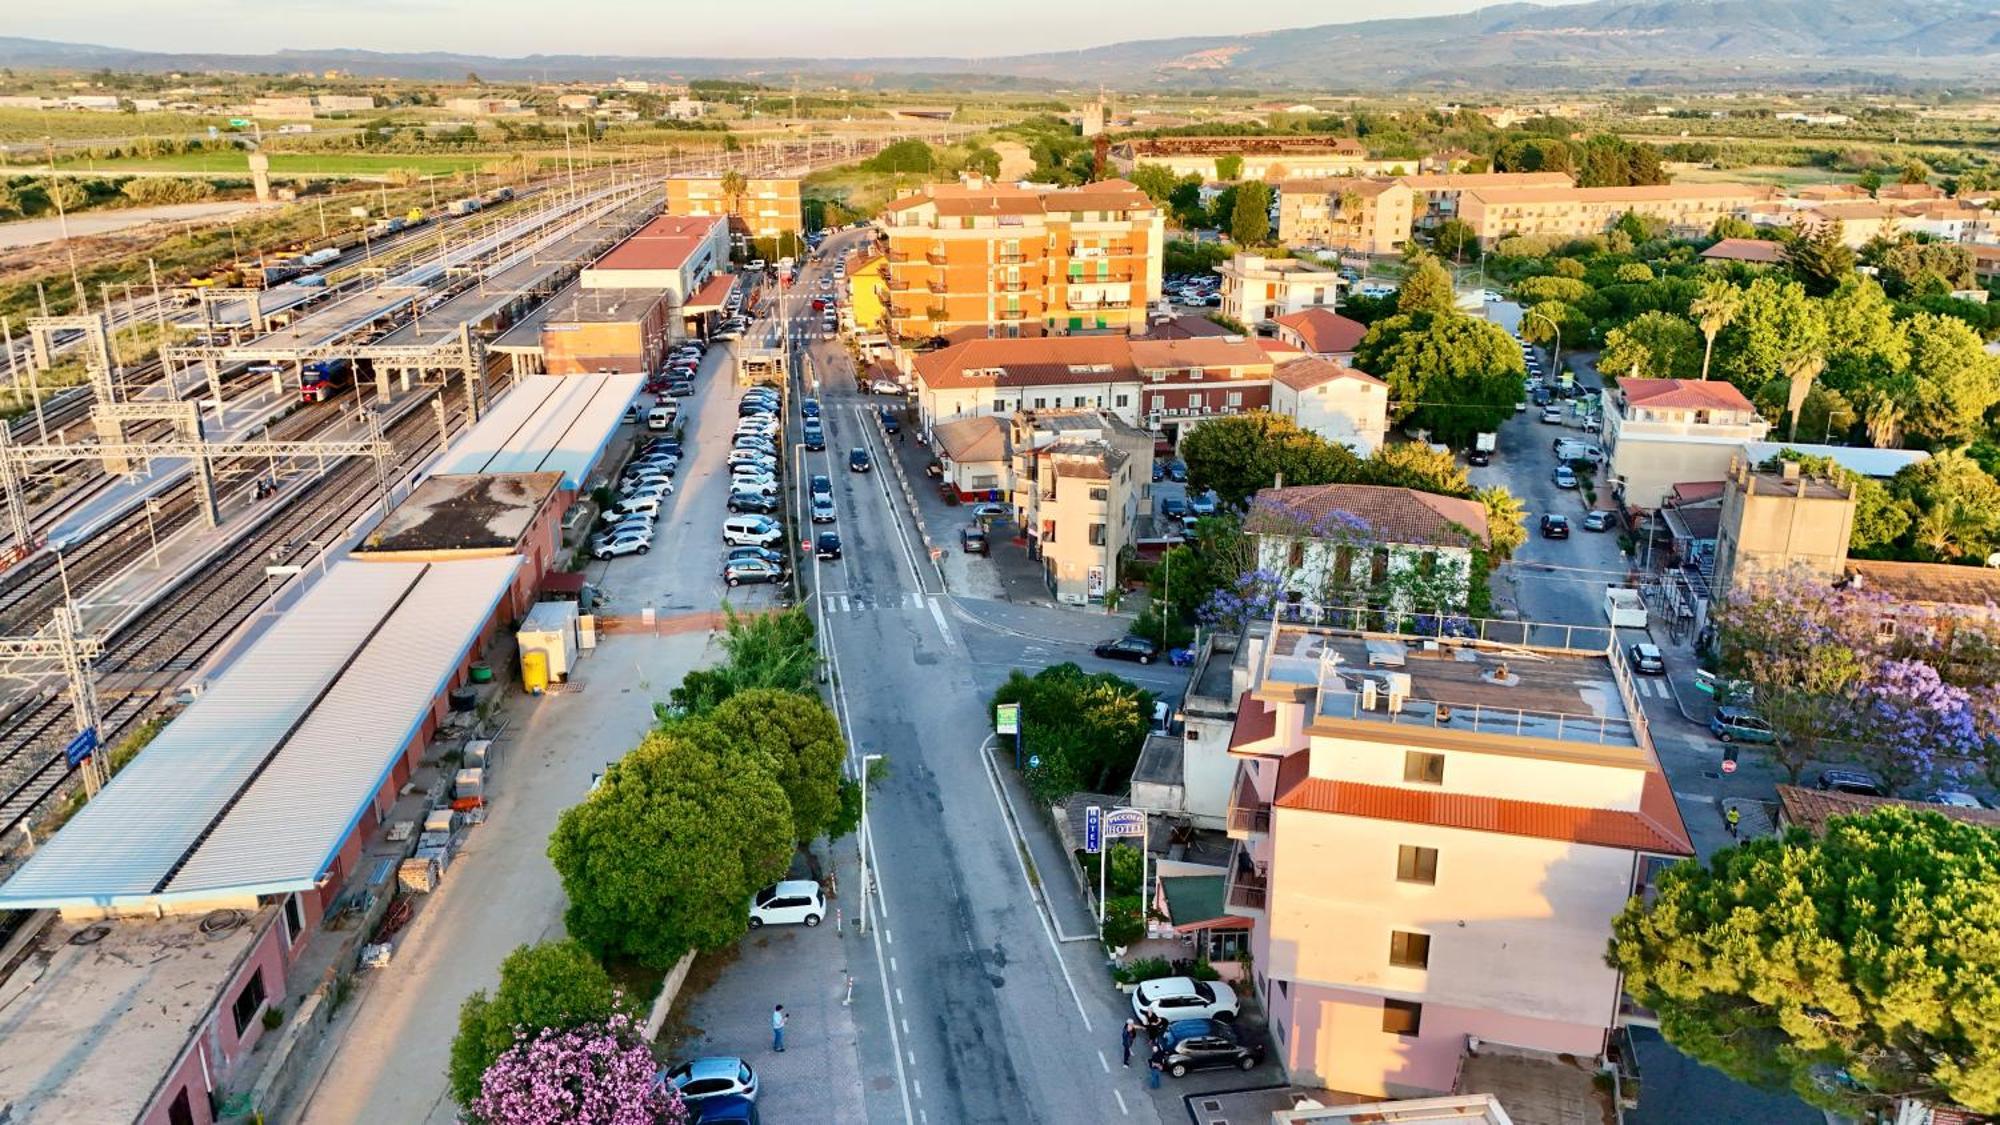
(624, 542)
(752, 458)
(633, 505)
(1183, 998)
(761, 425)
(753, 530)
(794, 901)
(822, 509)
(653, 491)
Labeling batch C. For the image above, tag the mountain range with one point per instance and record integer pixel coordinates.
(1603, 43)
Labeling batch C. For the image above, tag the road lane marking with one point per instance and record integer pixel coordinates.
(937, 615)
(1104, 1062)
(1120, 1095)
(1048, 929)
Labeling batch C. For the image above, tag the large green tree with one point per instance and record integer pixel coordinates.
(1954, 506)
(1869, 954)
(1956, 380)
(1241, 453)
(1447, 373)
(1082, 731)
(1426, 289)
(1818, 258)
(664, 856)
(556, 984)
(1653, 345)
(800, 739)
(1775, 318)
(1250, 216)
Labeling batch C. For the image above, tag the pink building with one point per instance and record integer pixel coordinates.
(1433, 838)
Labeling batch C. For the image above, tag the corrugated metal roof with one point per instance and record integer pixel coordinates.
(547, 423)
(253, 787)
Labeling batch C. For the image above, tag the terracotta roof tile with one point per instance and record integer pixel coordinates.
(1810, 809)
(1325, 331)
(1745, 250)
(1684, 394)
(1367, 187)
(1975, 587)
(1466, 181)
(1656, 827)
(982, 437)
(1310, 371)
(1199, 351)
(1650, 193)
(1027, 361)
(1280, 352)
(1395, 515)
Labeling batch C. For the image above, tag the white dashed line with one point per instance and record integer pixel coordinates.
(1120, 1095)
(1104, 1062)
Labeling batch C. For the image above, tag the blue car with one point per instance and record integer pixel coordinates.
(730, 1109)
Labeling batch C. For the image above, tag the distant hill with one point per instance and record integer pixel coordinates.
(1604, 43)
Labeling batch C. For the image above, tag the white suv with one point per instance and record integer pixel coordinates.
(792, 901)
(1183, 998)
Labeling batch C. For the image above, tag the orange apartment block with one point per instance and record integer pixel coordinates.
(768, 208)
(1362, 216)
(1688, 209)
(1015, 261)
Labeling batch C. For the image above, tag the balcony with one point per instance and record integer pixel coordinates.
(1102, 279)
(898, 257)
(935, 257)
(1013, 259)
(937, 285)
(1249, 814)
(1012, 314)
(1248, 883)
(1080, 305)
(1011, 286)
(899, 284)
(938, 313)
(903, 312)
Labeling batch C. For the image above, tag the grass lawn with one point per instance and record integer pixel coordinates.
(297, 163)
(1782, 176)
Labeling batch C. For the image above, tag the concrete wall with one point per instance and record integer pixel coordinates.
(1502, 776)
(1349, 411)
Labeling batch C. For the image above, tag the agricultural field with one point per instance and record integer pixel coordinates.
(293, 164)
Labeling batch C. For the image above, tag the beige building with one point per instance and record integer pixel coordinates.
(975, 459)
(1259, 158)
(1256, 289)
(1659, 432)
(1572, 212)
(1362, 216)
(1333, 400)
(1432, 841)
(1081, 478)
(767, 207)
(1438, 193)
(1780, 521)
(1858, 222)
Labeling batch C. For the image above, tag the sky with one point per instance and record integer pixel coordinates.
(743, 28)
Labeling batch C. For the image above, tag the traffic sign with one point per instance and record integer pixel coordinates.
(81, 747)
(239, 123)
(1007, 718)
(1125, 822)
(1093, 829)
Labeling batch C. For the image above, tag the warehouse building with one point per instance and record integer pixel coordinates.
(454, 516)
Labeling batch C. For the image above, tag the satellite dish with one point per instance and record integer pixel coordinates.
(1993, 560)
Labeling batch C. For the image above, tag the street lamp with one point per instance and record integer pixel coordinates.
(1555, 357)
(866, 836)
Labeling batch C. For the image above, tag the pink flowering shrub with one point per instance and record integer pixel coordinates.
(595, 1074)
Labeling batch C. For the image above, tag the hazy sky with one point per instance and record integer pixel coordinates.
(821, 28)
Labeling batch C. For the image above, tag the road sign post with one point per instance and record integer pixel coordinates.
(81, 747)
(1093, 842)
(1007, 720)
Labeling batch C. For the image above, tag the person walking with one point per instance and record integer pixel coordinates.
(1734, 816)
(1155, 1064)
(778, 1021)
(1130, 1033)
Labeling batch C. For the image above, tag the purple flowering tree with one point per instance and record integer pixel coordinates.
(595, 1074)
(1328, 560)
(1910, 726)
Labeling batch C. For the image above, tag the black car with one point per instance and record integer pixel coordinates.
(1139, 649)
(1159, 471)
(889, 423)
(815, 439)
(740, 502)
(1478, 457)
(1851, 781)
(809, 407)
(1177, 471)
(1555, 527)
(1174, 508)
(858, 462)
(1204, 1045)
(827, 546)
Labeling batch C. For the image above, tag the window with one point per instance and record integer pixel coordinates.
(1097, 535)
(1416, 865)
(1297, 556)
(1423, 767)
(1378, 566)
(1123, 400)
(1343, 564)
(1100, 494)
(1040, 403)
(1408, 950)
(1236, 398)
(1402, 1017)
(999, 406)
(182, 1111)
(294, 918)
(1048, 531)
(1194, 400)
(1079, 401)
(248, 1002)
(1427, 565)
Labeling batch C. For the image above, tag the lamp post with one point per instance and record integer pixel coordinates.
(1555, 357)
(866, 839)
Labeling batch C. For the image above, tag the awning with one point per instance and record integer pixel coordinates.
(710, 297)
(1195, 902)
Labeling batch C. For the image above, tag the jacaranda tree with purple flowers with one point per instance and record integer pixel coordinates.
(1908, 725)
(596, 1074)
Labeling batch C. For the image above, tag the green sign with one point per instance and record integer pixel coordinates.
(1007, 718)
(239, 123)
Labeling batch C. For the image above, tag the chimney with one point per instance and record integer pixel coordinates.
(1790, 470)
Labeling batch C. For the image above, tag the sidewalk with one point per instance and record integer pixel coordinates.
(1007, 573)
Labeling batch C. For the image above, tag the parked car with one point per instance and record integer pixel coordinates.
(827, 545)
(1647, 659)
(726, 1109)
(1857, 782)
(858, 462)
(1551, 414)
(1174, 508)
(990, 513)
(1740, 724)
(809, 407)
(1955, 798)
(739, 571)
(1159, 471)
(1564, 476)
(752, 457)
(822, 509)
(815, 438)
(714, 1077)
(890, 424)
(884, 387)
(646, 504)
(1598, 519)
(794, 901)
(1555, 527)
(1204, 503)
(765, 554)
(972, 540)
(1177, 471)
(1205, 1045)
(752, 500)
(1140, 650)
(757, 530)
(628, 542)
(1178, 998)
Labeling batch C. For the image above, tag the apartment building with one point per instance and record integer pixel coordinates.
(1659, 432)
(485, 107)
(1362, 216)
(1014, 261)
(1080, 480)
(1438, 193)
(868, 292)
(1327, 397)
(1353, 544)
(1256, 288)
(1779, 521)
(1432, 838)
(1572, 212)
(1255, 158)
(1187, 382)
(1857, 222)
(767, 207)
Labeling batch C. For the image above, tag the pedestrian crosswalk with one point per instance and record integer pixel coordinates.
(862, 603)
(1652, 686)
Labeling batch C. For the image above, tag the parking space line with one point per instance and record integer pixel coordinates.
(1104, 1062)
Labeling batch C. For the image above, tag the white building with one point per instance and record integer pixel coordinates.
(1661, 432)
(1333, 400)
(1256, 289)
(1334, 545)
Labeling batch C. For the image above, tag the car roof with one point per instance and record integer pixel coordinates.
(796, 887)
(1168, 986)
(715, 1066)
(1188, 1029)
(1647, 647)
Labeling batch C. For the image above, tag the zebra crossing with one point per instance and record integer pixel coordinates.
(1654, 686)
(862, 603)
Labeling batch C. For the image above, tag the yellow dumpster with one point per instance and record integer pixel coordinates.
(535, 671)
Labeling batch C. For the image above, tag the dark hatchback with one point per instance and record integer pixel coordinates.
(1205, 1045)
(1140, 650)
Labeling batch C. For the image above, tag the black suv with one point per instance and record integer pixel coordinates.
(858, 462)
(1204, 1045)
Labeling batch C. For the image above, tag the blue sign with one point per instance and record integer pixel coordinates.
(80, 747)
(1125, 822)
(1093, 829)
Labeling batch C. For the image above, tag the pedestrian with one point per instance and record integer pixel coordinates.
(1156, 1064)
(1130, 1033)
(778, 1021)
(1733, 816)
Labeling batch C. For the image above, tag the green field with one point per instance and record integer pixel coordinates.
(295, 163)
(1765, 174)
(33, 124)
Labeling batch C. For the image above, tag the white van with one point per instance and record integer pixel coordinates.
(1570, 449)
(751, 530)
(663, 416)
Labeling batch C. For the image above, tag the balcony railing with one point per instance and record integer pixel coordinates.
(899, 284)
(938, 312)
(1012, 314)
(935, 257)
(1080, 305)
(1248, 883)
(1102, 279)
(1011, 286)
(903, 311)
(1248, 812)
(898, 257)
(1013, 259)
(937, 285)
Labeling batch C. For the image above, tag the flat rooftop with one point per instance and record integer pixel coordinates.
(600, 306)
(546, 424)
(253, 788)
(1565, 685)
(87, 1030)
(464, 512)
(666, 243)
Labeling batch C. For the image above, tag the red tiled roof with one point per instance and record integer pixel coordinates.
(1184, 326)
(1810, 809)
(711, 295)
(1394, 515)
(1280, 352)
(1256, 721)
(1685, 394)
(1198, 351)
(1027, 361)
(1695, 491)
(1745, 250)
(1656, 827)
(1325, 331)
(1305, 374)
(663, 244)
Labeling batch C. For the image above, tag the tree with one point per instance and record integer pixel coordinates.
(1449, 374)
(597, 1074)
(1250, 218)
(902, 156)
(1455, 237)
(1913, 171)
(1816, 256)
(1506, 521)
(662, 857)
(1652, 345)
(1869, 181)
(1800, 646)
(1909, 265)
(1633, 273)
(1222, 209)
(1412, 464)
(734, 188)
(1775, 318)
(1426, 289)
(1729, 226)
(1241, 453)
(1910, 726)
(1801, 368)
(1185, 200)
(1084, 731)
(1856, 969)
(555, 985)
(1156, 180)
(800, 738)
(1954, 506)
(765, 650)
(1228, 169)
(1568, 290)
(1956, 381)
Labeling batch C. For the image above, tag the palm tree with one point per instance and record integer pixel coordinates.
(1714, 310)
(1801, 368)
(1884, 417)
(1506, 521)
